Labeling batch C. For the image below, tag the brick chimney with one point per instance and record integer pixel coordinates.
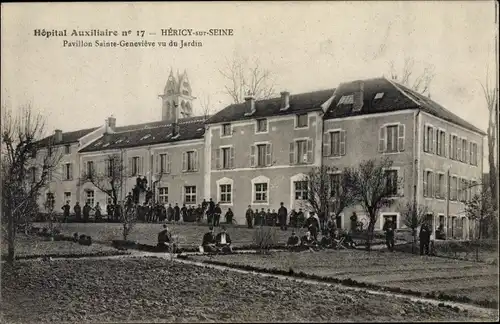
(359, 96)
(57, 136)
(285, 100)
(109, 125)
(112, 122)
(250, 103)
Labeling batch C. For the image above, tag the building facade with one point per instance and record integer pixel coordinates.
(257, 153)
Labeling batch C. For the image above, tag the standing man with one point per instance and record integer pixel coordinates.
(229, 216)
(170, 213)
(282, 213)
(66, 209)
(98, 215)
(262, 217)
(300, 218)
(86, 212)
(78, 211)
(204, 206)
(184, 213)
(425, 238)
(293, 218)
(354, 221)
(216, 215)
(389, 228)
(177, 212)
(199, 213)
(249, 217)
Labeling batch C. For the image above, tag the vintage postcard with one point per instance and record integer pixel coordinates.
(305, 161)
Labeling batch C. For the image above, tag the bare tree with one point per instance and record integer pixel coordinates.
(327, 190)
(244, 75)
(413, 216)
(420, 82)
(109, 179)
(26, 168)
(206, 107)
(480, 208)
(491, 97)
(370, 188)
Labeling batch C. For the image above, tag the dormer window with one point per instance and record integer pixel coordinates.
(346, 100)
(145, 137)
(379, 95)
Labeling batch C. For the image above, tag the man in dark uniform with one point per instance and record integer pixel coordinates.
(300, 218)
(229, 216)
(249, 217)
(208, 242)
(177, 213)
(78, 211)
(293, 218)
(170, 213)
(216, 215)
(210, 211)
(66, 209)
(389, 228)
(425, 238)
(282, 213)
(293, 242)
(184, 213)
(262, 217)
(86, 212)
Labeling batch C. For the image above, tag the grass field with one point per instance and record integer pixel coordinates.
(478, 281)
(190, 235)
(152, 290)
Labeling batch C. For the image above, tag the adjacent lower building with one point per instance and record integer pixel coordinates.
(257, 153)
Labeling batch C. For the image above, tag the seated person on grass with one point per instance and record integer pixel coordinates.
(208, 243)
(164, 238)
(308, 241)
(223, 241)
(326, 241)
(293, 242)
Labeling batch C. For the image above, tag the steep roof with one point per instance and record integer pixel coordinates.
(302, 102)
(67, 138)
(392, 97)
(148, 134)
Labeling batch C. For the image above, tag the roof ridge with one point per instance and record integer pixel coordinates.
(398, 87)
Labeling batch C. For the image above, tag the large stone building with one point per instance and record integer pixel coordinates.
(257, 153)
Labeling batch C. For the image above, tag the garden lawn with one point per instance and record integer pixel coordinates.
(27, 246)
(190, 235)
(152, 289)
(478, 281)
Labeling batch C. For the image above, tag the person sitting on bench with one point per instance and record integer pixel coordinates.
(208, 243)
(293, 242)
(223, 241)
(164, 238)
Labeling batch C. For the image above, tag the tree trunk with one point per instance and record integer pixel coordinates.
(369, 234)
(414, 243)
(491, 162)
(125, 232)
(11, 236)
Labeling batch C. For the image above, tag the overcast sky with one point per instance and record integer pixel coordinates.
(307, 45)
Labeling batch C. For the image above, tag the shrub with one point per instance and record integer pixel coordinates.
(265, 237)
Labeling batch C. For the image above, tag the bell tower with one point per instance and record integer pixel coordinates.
(177, 101)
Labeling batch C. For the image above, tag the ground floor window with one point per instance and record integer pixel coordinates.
(90, 197)
(300, 190)
(67, 197)
(261, 192)
(225, 193)
(190, 194)
(163, 195)
(393, 217)
(50, 201)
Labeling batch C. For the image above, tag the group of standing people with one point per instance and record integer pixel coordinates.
(81, 214)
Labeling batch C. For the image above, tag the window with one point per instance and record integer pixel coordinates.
(67, 149)
(90, 197)
(190, 161)
(429, 139)
(260, 192)
(334, 143)
(301, 151)
(190, 194)
(346, 100)
(226, 130)
(301, 120)
(67, 197)
(428, 177)
(391, 182)
(163, 195)
(225, 193)
(261, 125)
(379, 95)
(453, 147)
(50, 200)
(261, 155)
(300, 190)
(90, 169)
(463, 185)
(110, 167)
(226, 157)
(464, 150)
(67, 171)
(134, 168)
(440, 186)
(164, 163)
(473, 153)
(49, 175)
(459, 149)
(392, 138)
(440, 143)
(453, 188)
(334, 184)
